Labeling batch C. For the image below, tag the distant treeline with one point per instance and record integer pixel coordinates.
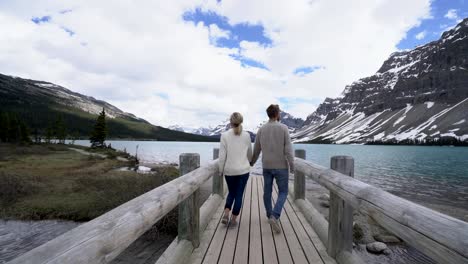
(437, 141)
(13, 129)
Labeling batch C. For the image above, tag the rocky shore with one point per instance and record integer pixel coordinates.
(372, 242)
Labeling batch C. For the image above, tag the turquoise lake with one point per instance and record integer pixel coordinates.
(436, 175)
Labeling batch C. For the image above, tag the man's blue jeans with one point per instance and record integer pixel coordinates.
(281, 177)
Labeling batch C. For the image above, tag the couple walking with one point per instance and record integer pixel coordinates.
(236, 157)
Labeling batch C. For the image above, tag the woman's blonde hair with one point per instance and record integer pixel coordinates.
(236, 123)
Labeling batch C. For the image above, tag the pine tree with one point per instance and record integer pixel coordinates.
(60, 130)
(49, 133)
(4, 126)
(99, 134)
(25, 136)
(14, 131)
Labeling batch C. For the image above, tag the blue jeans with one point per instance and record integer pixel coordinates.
(281, 177)
(236, 185)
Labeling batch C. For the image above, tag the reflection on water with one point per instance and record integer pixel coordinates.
(18, 237)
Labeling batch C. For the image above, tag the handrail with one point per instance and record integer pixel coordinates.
(105, 237)
(439, 236)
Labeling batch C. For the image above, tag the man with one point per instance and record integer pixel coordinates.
(274, 141)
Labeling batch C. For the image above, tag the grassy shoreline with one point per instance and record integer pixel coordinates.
(39, 182)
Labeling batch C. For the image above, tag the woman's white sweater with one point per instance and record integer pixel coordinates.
(235, 153)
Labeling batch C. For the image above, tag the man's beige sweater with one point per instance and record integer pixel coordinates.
(274, 142)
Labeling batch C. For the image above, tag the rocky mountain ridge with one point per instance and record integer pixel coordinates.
(417, 94)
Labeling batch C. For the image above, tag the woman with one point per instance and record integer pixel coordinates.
(235, 153)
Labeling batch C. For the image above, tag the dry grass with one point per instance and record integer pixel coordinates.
(52, 182)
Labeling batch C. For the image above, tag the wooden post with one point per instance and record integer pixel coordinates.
(340, 227)
(217, 178)
(299, 178)
(189, 209)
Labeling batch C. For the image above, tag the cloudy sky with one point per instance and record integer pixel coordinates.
(192, 63)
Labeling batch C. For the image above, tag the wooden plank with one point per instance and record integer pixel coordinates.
(105, 237)
(241, 255)
(216, 245)
(230, 242)
(268, 243)
(441, 237)
(255, 241)
(287, 246)
(281, 244)
(207, 236)
(319, 246)
(306, 243)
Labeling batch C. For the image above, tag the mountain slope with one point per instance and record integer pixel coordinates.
(417, 94)
(40, 103)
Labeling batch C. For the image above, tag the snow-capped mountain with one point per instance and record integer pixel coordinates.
(72, 99)
(204, 131)
(416, 94)
(287, 119)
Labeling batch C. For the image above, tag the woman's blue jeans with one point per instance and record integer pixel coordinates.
(236, 185)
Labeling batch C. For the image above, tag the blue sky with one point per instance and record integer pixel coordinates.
(445, 14)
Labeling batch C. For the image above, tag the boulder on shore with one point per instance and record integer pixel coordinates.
(376, 247)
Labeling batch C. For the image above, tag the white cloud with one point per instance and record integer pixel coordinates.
(301, 109)
(452, 14)
(134, 52)
(216, 32)
(421, 35)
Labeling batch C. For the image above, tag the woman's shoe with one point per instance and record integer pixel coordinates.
(233, 224)
(225, 219)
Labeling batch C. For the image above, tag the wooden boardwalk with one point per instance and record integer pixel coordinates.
(253, 240)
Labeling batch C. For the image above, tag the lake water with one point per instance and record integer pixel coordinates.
(437, 175)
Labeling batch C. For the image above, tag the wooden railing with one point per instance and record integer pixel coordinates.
(105, 237)
(439, 236)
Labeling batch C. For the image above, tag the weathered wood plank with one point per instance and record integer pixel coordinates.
(230, 241)
(268, 244)
(306, 243)
(180, 252)
(207, 236)
(255, 241)
(104, 238)
(218, 181)
(441, 237)
(313, 236)
(189, 210)
(291, 250)
(241, 255)
(216, 245)
(340, 226)
(299, 178)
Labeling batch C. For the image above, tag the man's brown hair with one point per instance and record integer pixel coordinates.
(273, 111)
